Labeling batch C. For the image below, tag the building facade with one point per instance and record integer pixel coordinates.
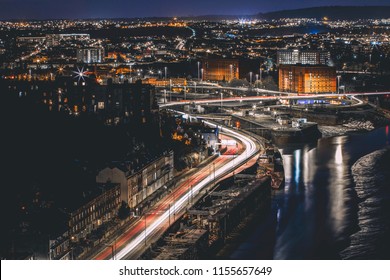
(149, 179)
(60, 248)
(138, 101)
(90, 55)
(99, 209)
(112, 103)
(90, 210)
(31, 40)
(138, 185)
(307, 57)
(307, 79)
(220, 69)
(115, 174)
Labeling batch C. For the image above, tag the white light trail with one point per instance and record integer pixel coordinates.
(251, 150)
(271, 98)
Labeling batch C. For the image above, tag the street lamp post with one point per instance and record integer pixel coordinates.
(174, 207)
(113, 249)
(338, 84)
(198, 70)
(231, 72)
(165, 70)
(250, 77)
(189, 196)
(234, 153)
(214, 172)
(169, 214)
(260, 74)
(145, 228)
(221, 100)
(170, 90)
(174, 204)
(286, 83)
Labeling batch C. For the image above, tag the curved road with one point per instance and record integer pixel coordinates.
(269, 98)
(158, 219)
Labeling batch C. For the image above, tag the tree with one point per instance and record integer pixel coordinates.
(239, 83)
(124, 211)
(269, 83)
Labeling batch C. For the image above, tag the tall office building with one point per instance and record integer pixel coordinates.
(220, 69)
(90, 55)
(307, 79)
(307, 57)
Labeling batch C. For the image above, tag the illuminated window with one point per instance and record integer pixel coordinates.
(100, 105)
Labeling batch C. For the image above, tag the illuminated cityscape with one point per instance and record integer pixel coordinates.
(168, 136)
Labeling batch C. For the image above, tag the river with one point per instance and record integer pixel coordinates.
(335, 203)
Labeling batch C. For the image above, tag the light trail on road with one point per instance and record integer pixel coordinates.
(163, 205)
(157, 222)
(267, 98)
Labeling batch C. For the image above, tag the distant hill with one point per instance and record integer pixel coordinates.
(217, 17)
(332, 12)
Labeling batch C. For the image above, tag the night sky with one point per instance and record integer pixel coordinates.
(47, 9)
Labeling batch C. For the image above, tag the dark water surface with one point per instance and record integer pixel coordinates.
(335, 204)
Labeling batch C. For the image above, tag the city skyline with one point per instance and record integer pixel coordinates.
(209, 137)
(43, 9)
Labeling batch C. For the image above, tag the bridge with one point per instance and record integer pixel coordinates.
(291, 96)
(207, 85)
(272, 95)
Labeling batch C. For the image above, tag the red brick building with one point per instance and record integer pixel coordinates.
(307, 79)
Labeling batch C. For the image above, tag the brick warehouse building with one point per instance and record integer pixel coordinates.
(307, 79)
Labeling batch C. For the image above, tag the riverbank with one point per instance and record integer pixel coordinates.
(218, 222)
(371, 178)
(347, 128)
(319, 213)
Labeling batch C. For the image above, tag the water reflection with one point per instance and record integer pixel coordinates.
(317, 204)
(339, 189)
(287, 162)
(313, 201)
(308, 174)
(339, 155)
(297, 166)
(315, 214)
